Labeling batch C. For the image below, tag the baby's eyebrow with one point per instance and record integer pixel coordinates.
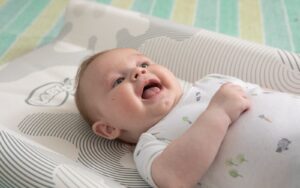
(142, 57)
(139, 54)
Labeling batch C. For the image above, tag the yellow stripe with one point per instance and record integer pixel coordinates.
(125, 4)
(2, 2)
(251, 27)
(34, 33)
(184, 11)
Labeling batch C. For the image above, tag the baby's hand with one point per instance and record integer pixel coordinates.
(230, 99)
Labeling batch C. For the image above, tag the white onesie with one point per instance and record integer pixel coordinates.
(261, 149)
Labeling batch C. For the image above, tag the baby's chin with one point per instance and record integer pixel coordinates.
(165, 106)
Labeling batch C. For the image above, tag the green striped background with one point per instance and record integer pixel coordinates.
(27, 24)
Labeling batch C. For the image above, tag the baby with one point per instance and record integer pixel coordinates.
(123, 95)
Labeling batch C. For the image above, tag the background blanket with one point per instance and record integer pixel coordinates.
(28, 24)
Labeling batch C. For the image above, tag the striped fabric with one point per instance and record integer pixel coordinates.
(24, 164)
(30, 164)
(61, 125)
(27, 24)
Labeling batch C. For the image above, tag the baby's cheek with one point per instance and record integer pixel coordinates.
(123, 104)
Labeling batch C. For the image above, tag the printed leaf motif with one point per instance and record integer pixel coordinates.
(241, 158)
(186, 119)
(198, 96)
(234, 173)
(230, 162)
(262, 116)
(236, 163)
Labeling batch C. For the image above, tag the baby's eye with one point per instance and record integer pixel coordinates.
(144, 65)
(118, 81)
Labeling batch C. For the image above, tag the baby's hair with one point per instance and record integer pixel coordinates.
(79, 100)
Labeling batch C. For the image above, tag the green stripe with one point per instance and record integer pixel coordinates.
(206, 14)
(228, 23)
(28, 15)
(276, 34)
(54, 31)
(143, 6)
(8, 11)
(104, 1)
(163, 9)
(294, 20)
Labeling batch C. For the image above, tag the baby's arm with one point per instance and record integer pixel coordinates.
(187, 158)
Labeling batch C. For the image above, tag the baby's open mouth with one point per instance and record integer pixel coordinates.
(151, 89)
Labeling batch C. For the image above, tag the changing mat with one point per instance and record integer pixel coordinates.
(43, 140)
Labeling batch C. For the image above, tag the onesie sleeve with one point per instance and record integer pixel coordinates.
(147, 149)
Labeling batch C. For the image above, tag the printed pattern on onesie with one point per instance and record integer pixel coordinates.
(257, 146)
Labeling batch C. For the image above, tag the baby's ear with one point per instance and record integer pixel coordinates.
(103, 129)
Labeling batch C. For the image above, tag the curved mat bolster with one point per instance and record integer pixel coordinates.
(109, 158)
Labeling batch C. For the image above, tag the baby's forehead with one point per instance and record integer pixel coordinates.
(120, 52)
(117, 56)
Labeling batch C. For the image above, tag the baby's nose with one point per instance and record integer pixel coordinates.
(137, 72)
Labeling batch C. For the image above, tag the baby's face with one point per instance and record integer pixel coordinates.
(129, 91)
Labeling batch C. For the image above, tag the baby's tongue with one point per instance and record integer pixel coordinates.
(150, 92)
